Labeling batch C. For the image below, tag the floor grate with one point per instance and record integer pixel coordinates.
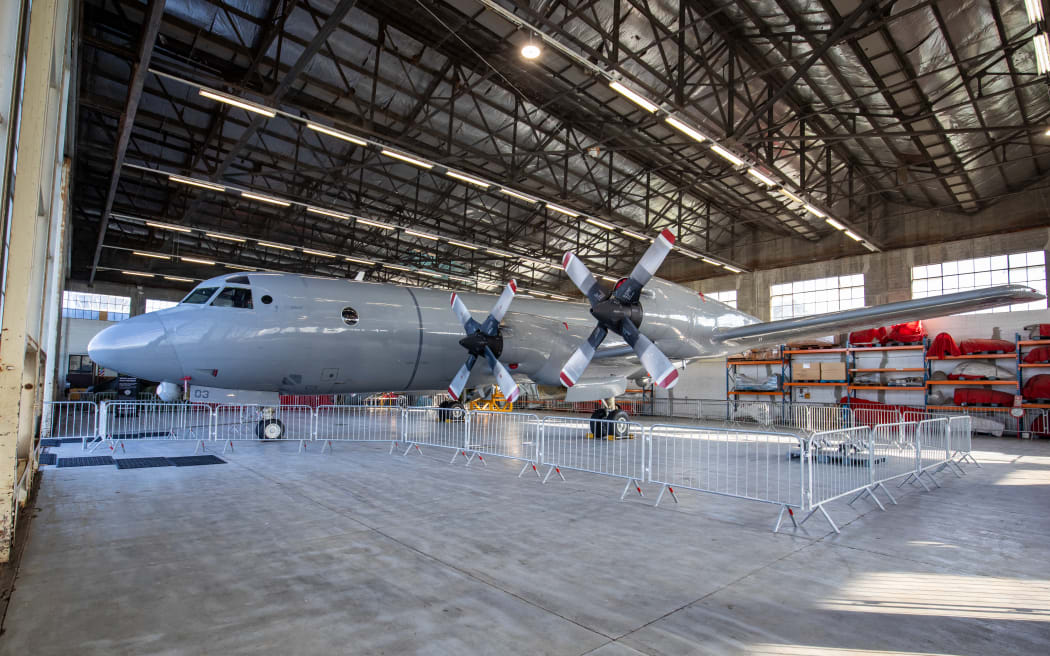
(87, 461)
(190, 461)
(48, 458)
(140, 463)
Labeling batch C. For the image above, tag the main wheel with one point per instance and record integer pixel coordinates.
(598, 426)
(617, 424)
(457, 412)
(270, 429)
(442, 413)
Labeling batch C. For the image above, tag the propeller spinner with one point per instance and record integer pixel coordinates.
(484, 339)
(621, 313)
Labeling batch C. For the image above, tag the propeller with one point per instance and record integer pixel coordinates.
(484, 339)
(620, 312)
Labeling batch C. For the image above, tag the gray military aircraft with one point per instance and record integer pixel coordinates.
(297, 334)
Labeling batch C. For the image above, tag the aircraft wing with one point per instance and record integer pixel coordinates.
(772, 333)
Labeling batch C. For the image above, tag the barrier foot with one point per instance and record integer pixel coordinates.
(200, 447)
(665, 488)
(302, 446)
(626, 488)
(475, 454)
(331, 449)
(820, 507)
(884, 489)
(410, 447)
(856, 496)
(780, 518)
(969, 456)
(393, 445)
(525, 467)
(906, 479)
(930, 476)
(227, 445)
(956, 469)
(550, 471)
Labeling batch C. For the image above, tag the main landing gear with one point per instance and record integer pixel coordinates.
(269, 427)
(609, 422)
(451, 411)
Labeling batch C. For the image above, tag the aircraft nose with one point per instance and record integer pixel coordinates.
(139, 347)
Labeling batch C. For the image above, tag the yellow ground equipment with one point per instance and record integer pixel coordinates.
(495, 403)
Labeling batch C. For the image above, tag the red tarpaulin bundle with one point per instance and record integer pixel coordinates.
(912, 332)
(942, 346)
(982, 397)
(866, 337)
(971, 346)
(1036, 355)
(1038, 331)
(1037, 387)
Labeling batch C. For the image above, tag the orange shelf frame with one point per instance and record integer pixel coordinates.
(886, 387)
(754, 393)
(814, 351)
(1034, 365)
(915, 347)
(979, 356)
(815, 384)
(731, 363)
(1034, 342)
(890, 369)
(1011, 383)
(968, 407)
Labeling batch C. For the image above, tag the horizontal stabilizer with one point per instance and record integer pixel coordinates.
(772, 333)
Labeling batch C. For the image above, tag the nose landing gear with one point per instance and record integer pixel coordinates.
(609, 422)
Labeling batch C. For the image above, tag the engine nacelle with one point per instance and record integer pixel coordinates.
(169, 392)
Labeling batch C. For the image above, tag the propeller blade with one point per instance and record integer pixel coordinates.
(460, 308)
(503, 378)
(655, 362)
(644, 271)
(491, 324)
(580, 275)
(576, 365)
(455, 388)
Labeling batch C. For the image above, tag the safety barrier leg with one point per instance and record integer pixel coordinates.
(820, 507)
(553, 469)
(535, 468)
(869, 492)
(665, 488)
(780, 518)
(627, 488)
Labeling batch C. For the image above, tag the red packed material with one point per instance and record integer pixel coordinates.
(971, 346)
(1036, 355)
(869, 336)
(943, 346)
(1038, 331)
(982, 397)
(1037, 387)
(1040, 427)
(912, 332)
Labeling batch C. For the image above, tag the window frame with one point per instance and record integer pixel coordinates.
(1024, 268)
(806, 298)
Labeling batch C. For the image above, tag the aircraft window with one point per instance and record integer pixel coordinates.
(266, 299)
(200, 295)
(350, 316)
(238, 280)
(235, 297)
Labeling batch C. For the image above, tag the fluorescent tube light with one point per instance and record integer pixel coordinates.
(277, 246)
(397, 266)
(854, 236)
(600, 224)
(467, 178)
(462, 244)
(637, 99)
(500, 253)
(239, 267)
(225, 237)
(310, 251)
(196, 183)
(196, 260)
(420, 234)
(164, 226)
(710, 261)
(359, 261)
(178, 279)
(375, 224)
(337, 134)
(761, 177)
(732, 268)
(265, 111)
(1042, 53)
(322, 211)
(725, 154)
(406, 158)
(159, 257)
(1034, 9)
(813, 210)
(137, 273)
(265, 199)
(563, 210)
(791, 196)
(634, 234)
(834, 224)
(511, 192)
(682, 127)
(868, 246)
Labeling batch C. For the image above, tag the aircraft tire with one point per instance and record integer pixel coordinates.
(270, 429)
(599, 427)
(443, 413)
(457, 412)
(620, 427)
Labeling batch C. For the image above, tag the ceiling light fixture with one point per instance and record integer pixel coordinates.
(682, 127)
(854, 236)
(396, 266)
(375, 224)
(195, 183)
(1034, 9)
(310, 251)
(635, 235)
(420, 234)
(178, 279)
(153, 255)
(1042, 53)
(732, 268)
(813, 210)
(761, 177)
(563, 210)
(265, 111)
(164, 226)
(359, 261)
(637, 99)
(787, 194)
(197, 261)
(336, 133)
(511, 192)
(138, 273)
(240, 268)
(462, 244)
(834, 224)
(530, 50)
(265, 199)
(467, 178)
(600, 224)
(406, 158)
(710, 261)
(725, 154)
(322, 211)
(868, 246)
(215, 235)
(277, 246)
(500, 253)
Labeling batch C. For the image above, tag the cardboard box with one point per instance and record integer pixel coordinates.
(833, 371)
(805, 371)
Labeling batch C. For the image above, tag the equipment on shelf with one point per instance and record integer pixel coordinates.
(943, 345)
(980, 370)
(1040, 354)
(981, 346)
(1038, 331)
(972, 396)
(869, 337)
(912, 332)
(1037, 389)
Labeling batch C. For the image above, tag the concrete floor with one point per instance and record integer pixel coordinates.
(362, 552)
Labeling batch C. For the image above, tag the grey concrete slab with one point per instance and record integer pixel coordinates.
(363, 552)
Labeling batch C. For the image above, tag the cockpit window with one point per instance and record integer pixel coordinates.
(235, 297)
(200, 295)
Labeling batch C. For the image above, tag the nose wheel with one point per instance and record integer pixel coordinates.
(610, 424)
(270, 429)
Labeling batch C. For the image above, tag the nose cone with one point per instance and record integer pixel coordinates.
(138, 347)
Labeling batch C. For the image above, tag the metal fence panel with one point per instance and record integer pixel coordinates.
(443, 427)
(570, 443)
(357, 423)
(512, 435)
(894, 450)
(123, 421)
(840, 463)
(755, 465)
(960, 435)
(933, 443)
(69, 420)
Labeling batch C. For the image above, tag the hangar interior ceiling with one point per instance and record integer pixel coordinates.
(850, 106)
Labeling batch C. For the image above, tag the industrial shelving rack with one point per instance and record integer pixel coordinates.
(733, 363)
(853, 368)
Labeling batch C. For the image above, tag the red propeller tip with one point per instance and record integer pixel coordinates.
(668, 235)
(452, 394)
(565, 260)
(566, 380)
(668, 379)
(452, 301)
(513, 286)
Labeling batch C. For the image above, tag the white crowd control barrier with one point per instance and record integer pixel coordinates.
(510, 435)
(357, 423)
(759, 466)
(68, 420)
(819, 418)
(441, 427)
(894, 453)
(960, 431)
(840, 463)
(124, 421)
(586, 445)
(934, 448)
